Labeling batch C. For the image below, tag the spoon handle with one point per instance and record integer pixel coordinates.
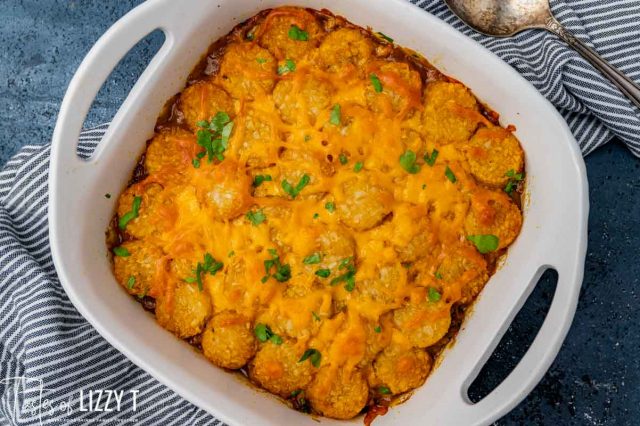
(629, 88)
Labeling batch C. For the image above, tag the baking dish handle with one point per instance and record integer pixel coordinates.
(98, 65)
(538, 358)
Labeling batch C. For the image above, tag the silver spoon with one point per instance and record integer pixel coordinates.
(504, 18)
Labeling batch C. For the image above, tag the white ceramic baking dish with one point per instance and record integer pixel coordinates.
(553, 236)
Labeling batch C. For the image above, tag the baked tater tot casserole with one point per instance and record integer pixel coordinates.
(317, 209)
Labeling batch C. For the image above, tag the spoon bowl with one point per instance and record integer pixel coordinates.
(505, 18)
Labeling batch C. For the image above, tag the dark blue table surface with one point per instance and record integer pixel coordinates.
(596, 377)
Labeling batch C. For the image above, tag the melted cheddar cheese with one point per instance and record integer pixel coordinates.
(314, 208)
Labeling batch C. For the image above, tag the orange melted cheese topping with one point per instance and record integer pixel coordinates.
(358, 268)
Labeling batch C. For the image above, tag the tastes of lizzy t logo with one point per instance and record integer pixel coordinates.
(29, 400)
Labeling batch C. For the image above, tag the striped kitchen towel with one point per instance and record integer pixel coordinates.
(55, 368)
(594, 109)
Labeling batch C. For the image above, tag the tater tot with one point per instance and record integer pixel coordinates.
(169, 153)
(401, 369)
(465, 268)
(289, 33)
(423, 323)
(393, 87)
(247, 70)
(277, 368)
(228, 340)
(345, 50)
(301, 101)
(138, 271)
(183, 309)
(491, 153)
(493, 213)
(227, 190)
(155, 208)
(259, 141)
(365, 204)
(202, 101)
(450, 113)
(337, 393)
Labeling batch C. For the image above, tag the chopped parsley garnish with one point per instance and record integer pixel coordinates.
(323, 273)
(294, 191)
(377, 329)
(251, 34)
(431, 159)
(282, 272)
(208, 266)
(121, 251)
(231, 253)
(131, 214)
(312, 355)
(343, 159)
(287, 67)
(358, 166)
(313, 259)
(196, 163)
(260, 179)
(330, 206)
(383, 390)
(131, 282)
(316, 316)
(386, 37)
(434, 295)
(424, 185)
(449, 174)
(438, 275)
(316, 215)
(263, 333)
(514, 178)
(408, 162)
(336, 115)
(297, 33)
(349, 276)
(307, 138)
(375, 82)
(214, 137)
(484, 243)
(256, 217)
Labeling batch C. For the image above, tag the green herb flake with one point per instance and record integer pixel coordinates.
(484, 243)
(131, 214)
(287, 67)
(294, 191)
(430, 159)
(438, 275)
(323, 273)
(307, 138)
(377, 329)
(375, 82)
(383, 390)
(358, 166)
(261, 60)
(196, 163)
(386, 37)
(282, 273)
(434, 295)
(312, 355)
(336, 115)
(449, 174)
(330, 206)
(313, 259)
(213, 136)
(408, 162)
(131, 282)
(514, 178)
(343, 159)
(424, 186)
(121, 251)
(348, 277)
(231, 253)
(264, 333)
(260, 179)
(316, 215)
(298, 34)
(209, 265)
(256, 217)
(316, 316)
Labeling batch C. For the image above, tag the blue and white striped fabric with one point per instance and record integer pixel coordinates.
(49, 353)
(594, 109)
